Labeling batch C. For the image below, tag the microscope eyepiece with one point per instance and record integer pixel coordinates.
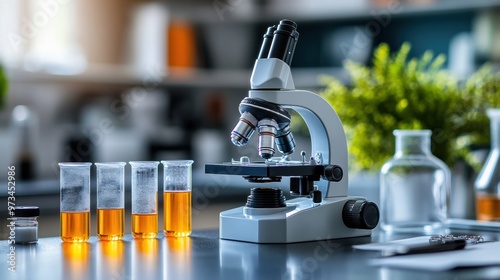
(284, 41)
(266, 43)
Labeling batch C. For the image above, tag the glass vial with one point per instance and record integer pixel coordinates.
(75, 201)
(177, 197)
(414, 186)
(144, 198)
(110, 200)
(26, 224)
(487, 184)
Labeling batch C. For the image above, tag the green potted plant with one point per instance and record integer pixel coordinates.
(3, 87)
(401, 93)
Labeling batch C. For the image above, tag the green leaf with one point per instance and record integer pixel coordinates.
(399, 92)
(3, 88)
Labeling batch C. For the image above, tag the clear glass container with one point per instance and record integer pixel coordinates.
(177, 186)
(487, 184)
(414, 186)
(144, 182)
(110, 200)
(25, 224)
(75, 201)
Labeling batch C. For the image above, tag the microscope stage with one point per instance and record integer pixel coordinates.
(265, 169)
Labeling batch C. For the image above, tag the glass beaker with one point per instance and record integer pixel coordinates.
(177, 186)
(144, 198)
(487, 183)
(75, 201)
(414, 186)
(110, 200)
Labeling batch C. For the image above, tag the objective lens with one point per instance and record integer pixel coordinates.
(285, 141)
(243, 129)
(267, 134)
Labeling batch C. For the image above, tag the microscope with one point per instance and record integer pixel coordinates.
(322, 209)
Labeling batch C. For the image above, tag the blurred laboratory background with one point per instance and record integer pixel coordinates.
(123, 80)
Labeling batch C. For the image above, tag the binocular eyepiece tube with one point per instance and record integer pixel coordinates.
(282, 43)
(266, 43)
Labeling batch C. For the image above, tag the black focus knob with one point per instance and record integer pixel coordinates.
(333, 173)
(360, 214)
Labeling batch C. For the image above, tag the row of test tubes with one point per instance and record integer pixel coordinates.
(75, 199)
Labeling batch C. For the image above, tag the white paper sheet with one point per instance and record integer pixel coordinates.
(483, 254)
(392, 245)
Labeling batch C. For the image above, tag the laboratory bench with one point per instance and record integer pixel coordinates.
(205, 256)
(211, 195)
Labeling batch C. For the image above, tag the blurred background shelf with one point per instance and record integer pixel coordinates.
(122, 77)
(107, 65)
(318, 10)
(112, 77)
(96, 90)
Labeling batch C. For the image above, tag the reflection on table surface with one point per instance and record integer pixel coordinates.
(204, 256)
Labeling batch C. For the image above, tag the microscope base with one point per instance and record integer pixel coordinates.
(300, 221)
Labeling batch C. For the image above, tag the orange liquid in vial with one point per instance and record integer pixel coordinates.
(177, 213)
(110, 223)
(144, 225)
(488, 207)
(75, 226)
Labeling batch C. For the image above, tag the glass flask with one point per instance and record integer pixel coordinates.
(487, 184)
(414, 186)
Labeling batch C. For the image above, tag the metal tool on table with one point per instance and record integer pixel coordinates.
(457, 244)
(323, 210)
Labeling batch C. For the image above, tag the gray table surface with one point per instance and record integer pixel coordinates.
(205, 256)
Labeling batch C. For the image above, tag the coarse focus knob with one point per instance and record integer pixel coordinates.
(360, 214)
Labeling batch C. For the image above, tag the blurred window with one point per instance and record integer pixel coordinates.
(41, 35)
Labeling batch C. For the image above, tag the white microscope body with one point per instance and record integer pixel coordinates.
(330, 215)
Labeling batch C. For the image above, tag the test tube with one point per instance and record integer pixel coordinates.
(144, 199)
(75, 201)
(177, 197)
(110, 200)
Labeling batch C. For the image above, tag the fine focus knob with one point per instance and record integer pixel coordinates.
(333, 173)
(360, 214)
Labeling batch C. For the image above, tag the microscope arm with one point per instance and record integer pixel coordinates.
(326, 130)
